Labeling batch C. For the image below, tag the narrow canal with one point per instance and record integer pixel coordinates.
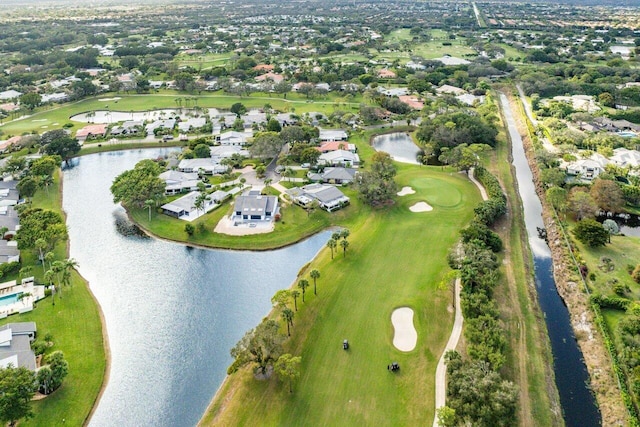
(172, 312)
(578, 404)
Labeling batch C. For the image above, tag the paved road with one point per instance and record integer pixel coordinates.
(441, 369)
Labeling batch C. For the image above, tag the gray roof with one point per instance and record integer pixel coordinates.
(9, 217)
(18, 346)
(339, 173)
(183, 204)
(7, 250)
(254, 204)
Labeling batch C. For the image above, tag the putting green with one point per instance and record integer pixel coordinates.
(432, 190)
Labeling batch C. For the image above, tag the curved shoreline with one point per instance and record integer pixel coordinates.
(103, 325)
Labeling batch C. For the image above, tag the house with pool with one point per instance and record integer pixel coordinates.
(19, 297)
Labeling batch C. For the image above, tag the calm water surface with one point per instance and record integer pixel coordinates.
(172, 312)
(578, 404)
(399, 145)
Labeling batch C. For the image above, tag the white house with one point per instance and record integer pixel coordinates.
(208, 166)
(333, 135)
(587, 169)
(333, 175)
(339, 158)
(191, 124)
(232, 138)
(329, 197)
(179, 182)
(624, 157)
(253, 206)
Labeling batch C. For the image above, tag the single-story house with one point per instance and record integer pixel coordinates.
(452, 90)
(412, 101)
(333, 135)
(54, 97)
(9, 142)
(10, 220)
(329, 197)
(179, 182)
(160, 124)
(191, 124)
(15, 345)
(9, 195)
(276, 78)
(469, 99)
(219, 152)
(91, 131)
(624, 157)
(339, 158)
(452, 60)
(208, 166)
(336, 145)
(9, 94)
(9, 251)
(385, 73)
(253, 206)
(334, 175)
(184, 207)
(232, 138)
(393, 91)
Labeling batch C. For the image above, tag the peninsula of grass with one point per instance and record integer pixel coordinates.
(74, 321)
(295, 225)
(395, 258)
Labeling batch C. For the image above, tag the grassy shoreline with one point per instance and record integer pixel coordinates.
(77, 326)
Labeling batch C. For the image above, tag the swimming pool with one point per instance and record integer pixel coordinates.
(9, 299)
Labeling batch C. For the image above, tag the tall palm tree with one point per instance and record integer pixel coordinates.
(295, 294)
(69, 264)
(199, 203)
(315, 274)
(149, 204)
(46, 180)
(41, 245)
(287, 315)
(303, 284)
(344, 233)
(344, 244)
(331, 244)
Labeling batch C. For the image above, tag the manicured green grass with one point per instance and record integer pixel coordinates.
(48, 118)
(396, 258)
(435, 49)
(295, 225)
(74, 321)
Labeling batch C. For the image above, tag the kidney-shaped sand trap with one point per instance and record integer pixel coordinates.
(405, 336)
(421, 207)
(405, 191)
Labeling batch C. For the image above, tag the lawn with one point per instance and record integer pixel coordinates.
(74, 322)
(395, 258)
(435, 49)
(54, 117)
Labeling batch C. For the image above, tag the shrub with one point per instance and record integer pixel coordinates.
(635, 275)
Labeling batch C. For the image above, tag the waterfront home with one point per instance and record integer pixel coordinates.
(219, 152)
(9, 251)
(91, 131)
(19, 297)
(328, 197)
(9, 219)
(15, 345)
(184, 208)
(339, 158)
(168, 124)
(252, 206)
(334, 175)
(192, 124)
(179, 182)
(587, 169)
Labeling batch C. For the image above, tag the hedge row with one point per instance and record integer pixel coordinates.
(615, 303)
(488, 211)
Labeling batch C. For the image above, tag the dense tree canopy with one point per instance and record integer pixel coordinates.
(17, 387)
(37, 223)
(261, 345)
(591, 232)
(58, 142)
(266, 145)
(452, 129)
(377, 186)
(134, 187)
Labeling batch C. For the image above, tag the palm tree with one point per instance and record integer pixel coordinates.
(315, 274)
(303, 284)
(344, 244)
(267, 182)
(46, 180)
(199, 203)
(287, 315)
(336, 235)
(345, 233)
(295, 294)
(48, 277)
(41, 245)
(149, 204)
(68, 264)
(3, 231)
(331, 244)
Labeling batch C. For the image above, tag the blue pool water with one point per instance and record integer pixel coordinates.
(9, 299)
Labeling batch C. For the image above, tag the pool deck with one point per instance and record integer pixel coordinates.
(27, 287)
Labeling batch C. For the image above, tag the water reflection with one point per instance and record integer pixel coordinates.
(172, 312)
(399, 145)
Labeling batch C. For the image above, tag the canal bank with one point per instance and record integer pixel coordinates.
(579, 318)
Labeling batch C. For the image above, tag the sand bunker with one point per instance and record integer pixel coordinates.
(421, 207)
(405, 191)
(405, 336)
(117, 98)
(227, 226)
